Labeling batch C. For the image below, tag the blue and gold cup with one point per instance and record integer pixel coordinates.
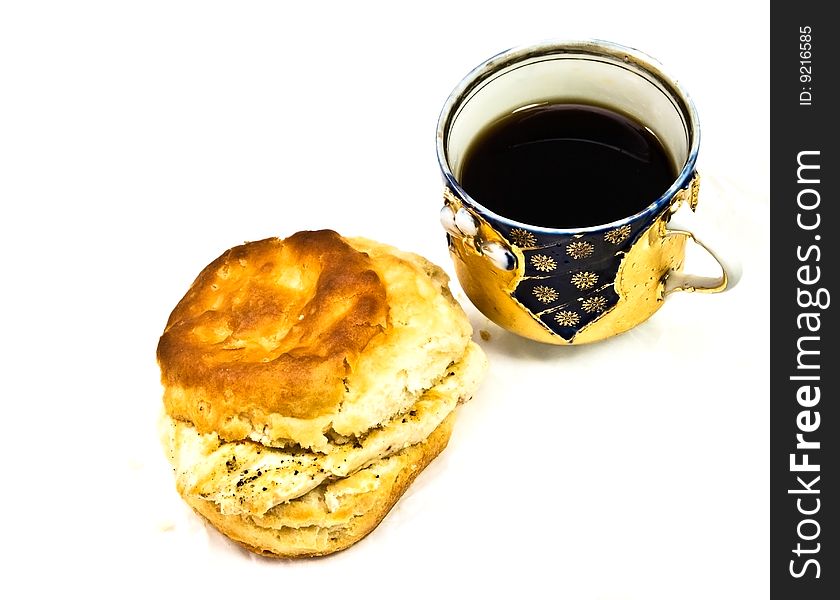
(575, 284)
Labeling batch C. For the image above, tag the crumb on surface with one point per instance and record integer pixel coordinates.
(485, 335)
(164, 526)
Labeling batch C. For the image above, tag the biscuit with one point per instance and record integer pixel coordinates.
(307, 382)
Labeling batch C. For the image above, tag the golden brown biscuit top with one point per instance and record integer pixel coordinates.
(271, 327)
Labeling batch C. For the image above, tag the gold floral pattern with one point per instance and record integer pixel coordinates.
(594, 304)
(522, 238)
(545, 294)
(542, 262)
(580, 250)
(616, 236)
(567, 318)
(584, 280)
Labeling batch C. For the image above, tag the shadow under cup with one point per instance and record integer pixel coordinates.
(578, 284)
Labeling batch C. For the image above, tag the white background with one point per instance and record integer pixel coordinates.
(140, 140)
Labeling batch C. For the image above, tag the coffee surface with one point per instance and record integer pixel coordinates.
(566, 166)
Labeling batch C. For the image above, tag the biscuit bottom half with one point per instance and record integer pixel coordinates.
(334, 515)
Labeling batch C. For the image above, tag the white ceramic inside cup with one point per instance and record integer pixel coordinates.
(590, 72)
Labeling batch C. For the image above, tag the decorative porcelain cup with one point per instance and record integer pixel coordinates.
(572, 285)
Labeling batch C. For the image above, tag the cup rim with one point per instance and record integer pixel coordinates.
(591, 46)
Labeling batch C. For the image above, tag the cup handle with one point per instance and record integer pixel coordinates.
(678, 281)
(682, 223)
(460, 223)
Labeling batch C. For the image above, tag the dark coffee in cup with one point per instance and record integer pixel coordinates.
(566, 165)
